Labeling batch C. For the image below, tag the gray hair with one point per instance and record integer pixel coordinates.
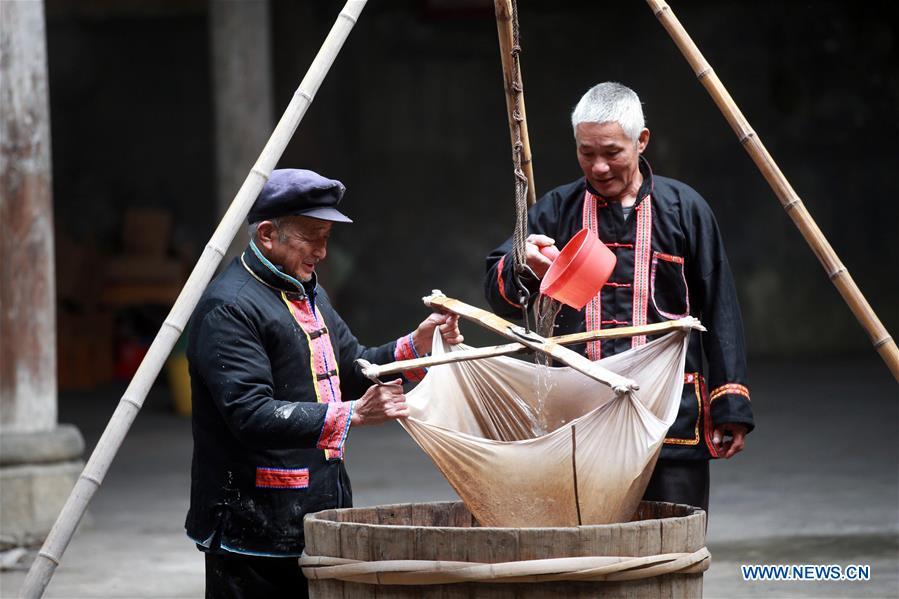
(611, 102)
(253, 228)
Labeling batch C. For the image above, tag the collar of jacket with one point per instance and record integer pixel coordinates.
(272, 276)
(645, 187)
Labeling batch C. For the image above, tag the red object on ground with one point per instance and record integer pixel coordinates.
(580, 270)
(130, 353)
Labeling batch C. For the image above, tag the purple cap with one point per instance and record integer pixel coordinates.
(293, 191)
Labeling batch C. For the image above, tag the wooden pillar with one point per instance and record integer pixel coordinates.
(39, 461)
(240, 38)
(27, 288)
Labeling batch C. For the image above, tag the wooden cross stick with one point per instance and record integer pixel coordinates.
(516, 333)
(376, 371)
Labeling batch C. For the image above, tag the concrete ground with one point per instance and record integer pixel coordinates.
(818, 484)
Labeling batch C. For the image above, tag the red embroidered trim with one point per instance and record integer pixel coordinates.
(618, 284)
(620, 245)
(729, 389)
(336, 427)
(322, 352)
(652, 282)
(704, 415)
(405, 351)
(615, 322)
(501, 285)
(642, 250)
(593, 310)
(321, 357)
(699, 392)
(282, 478)
(707, 416)
(669, 258)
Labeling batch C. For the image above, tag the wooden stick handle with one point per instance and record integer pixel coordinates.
(515, 333)
(376, 371)
(91, 478)
(883, 343)
(504, 29)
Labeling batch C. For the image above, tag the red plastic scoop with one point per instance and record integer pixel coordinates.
(580, 270)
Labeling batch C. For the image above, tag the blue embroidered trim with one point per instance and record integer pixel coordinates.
(274, 268)
(415, 352)
(349, 419)
(346, 427)
(412, 345)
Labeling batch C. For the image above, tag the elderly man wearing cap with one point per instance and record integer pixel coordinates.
(275, 392)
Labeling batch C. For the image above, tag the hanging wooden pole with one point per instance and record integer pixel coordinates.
(376, 371)
(508, 51)
(91, 478)
(883, 343)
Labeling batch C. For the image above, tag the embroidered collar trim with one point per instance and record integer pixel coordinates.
(262, 269)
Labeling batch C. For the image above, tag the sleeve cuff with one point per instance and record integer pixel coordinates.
(501, 284)
(405, 350)
(336, 427)
(730, 404)
(728, 389)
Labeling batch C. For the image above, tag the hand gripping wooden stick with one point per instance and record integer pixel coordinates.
(880, 338)
(91, 478)
(516, 333)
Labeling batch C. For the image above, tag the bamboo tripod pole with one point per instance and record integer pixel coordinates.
(512, 86)
(880, 338)
(91, 478)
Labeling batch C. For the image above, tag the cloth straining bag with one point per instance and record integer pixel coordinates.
(525, 445)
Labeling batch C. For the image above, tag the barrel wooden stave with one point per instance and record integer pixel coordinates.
(447, 531)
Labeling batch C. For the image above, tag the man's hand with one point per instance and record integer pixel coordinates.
(380, 403)
(728, 448)
(448, 324)
(535, 259)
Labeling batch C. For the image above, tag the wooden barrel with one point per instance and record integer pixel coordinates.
(446, 531)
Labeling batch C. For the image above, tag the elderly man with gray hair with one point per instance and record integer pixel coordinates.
(670, 264)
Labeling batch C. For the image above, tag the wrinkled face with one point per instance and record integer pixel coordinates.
(297, 245)
(609, 158)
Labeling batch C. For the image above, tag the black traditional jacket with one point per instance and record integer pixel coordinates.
(670, 264)
(271, 363)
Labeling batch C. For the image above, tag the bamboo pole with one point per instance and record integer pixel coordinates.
(836, 271)
(91, 478)
(530, 339)
(376, 371)
(512, 85)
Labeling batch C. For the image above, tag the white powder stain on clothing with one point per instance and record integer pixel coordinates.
(285, 411)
